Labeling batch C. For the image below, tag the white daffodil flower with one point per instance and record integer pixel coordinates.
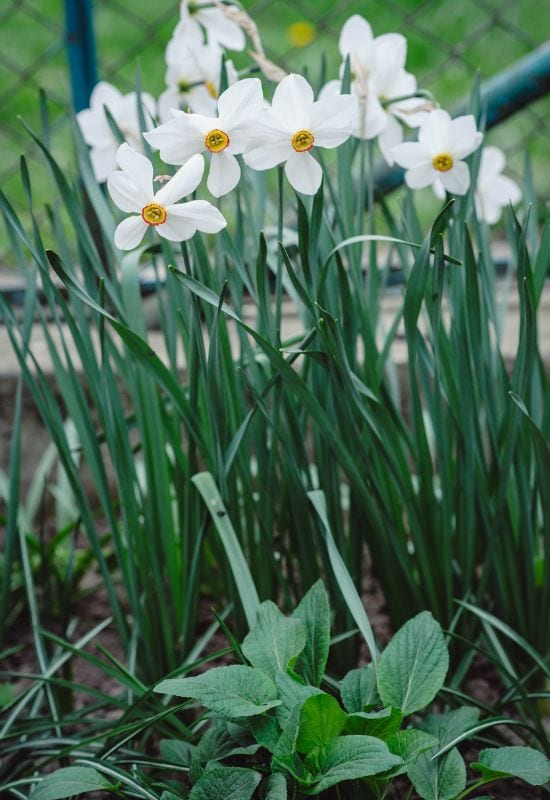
(193, 77)
(436, 159)
(494, 191)
(197, 18)
(295, 125)
(97, 132)
(131, 189)
(378, 75)
(224, 136)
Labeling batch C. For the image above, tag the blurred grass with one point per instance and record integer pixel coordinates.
(448, 41)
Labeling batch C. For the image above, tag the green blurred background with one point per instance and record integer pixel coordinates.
(448, 41)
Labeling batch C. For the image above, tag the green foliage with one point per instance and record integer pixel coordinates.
(513, 762)
(68, 782)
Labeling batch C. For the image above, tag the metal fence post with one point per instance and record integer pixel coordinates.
(80, 40)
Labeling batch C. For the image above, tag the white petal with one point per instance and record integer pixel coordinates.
(410, 154)
(390, 52)
(304, 173)
(439, 189)
(224, 174)
(463, 136)
(178, 139)
(94, 127)
(293, 101)
(391, 136)
(434, 132)
(503, 190)
(268, 155)
(356, 35)
(332, 120)
(242, 100)
(103, 161)
(203, 215)
(330, 89)
(491, 164)
(420, 176)
(139, 168)
(124, 192)
(130, 232)
(184, 182)
(457, 179)
(221, 29)
(487, 210)
(371, 119)
(176, 229)
(104, 94)
(411, 111)
(169, 99)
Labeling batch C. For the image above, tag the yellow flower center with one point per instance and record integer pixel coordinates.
(302, 141)
(211, 89)
(443, 162)
(216, 141)
(153, 214)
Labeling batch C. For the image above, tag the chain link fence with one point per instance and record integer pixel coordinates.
(449, 40)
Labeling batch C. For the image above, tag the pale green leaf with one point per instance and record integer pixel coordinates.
(275, 787)
(69, 781)
(235, 691)
(225, 783)
(413, 666)
(314, 612)
(440, 779)
(348, 758)
(321, 720)
(291, 694)
(275, 642)
(530, 765)
(359, 689)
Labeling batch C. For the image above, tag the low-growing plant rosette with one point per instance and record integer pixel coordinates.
(277, 728)
(131, 189)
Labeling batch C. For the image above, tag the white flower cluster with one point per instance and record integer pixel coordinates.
(196, 120)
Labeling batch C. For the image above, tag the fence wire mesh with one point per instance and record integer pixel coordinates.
(449, 40)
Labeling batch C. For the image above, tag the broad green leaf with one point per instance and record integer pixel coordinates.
(413, 666)
(440, 779)
(381, 724)
(447, 727)
(275, 642)
(408, 745)
(235, 691)
(166, 795)
(177, 751)
(222, 740)
(321, 720)
(359, 689)
(514, 762)
(275, 787)
(291, 694)
(69, 781)
(348, 758)
(225, 783)
(314, 612)
(286, 744)
(266, 731)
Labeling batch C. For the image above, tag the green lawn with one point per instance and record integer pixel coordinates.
(448, 40)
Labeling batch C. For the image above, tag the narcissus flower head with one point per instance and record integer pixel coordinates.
(198, 18)
(224, 136)
(494, 191)
(436, 160)
(97, 132)
(131, 189)
(294, 126)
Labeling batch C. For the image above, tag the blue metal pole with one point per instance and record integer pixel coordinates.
(508, 92)
(80, 41)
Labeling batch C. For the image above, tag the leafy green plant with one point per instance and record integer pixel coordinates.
(276, 726)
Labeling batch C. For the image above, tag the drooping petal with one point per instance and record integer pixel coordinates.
(268, 155)
(412, 111)
(410, 155)
(224, 174)
(304, 173)
(125, 193)
(178, 139)
(457, 179)
(420, 176)
(439, 189)
(356, 36)
(487, 210)
(183, 183)
(130, 232)
(434, 132)
(491, 164)
(139, 168)
(293, 101)
(464, 138)
(103, 160)
(390, 53)
(221, 29)
(241, 101)
(203, 215)
(332, 119)
(391, 136)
